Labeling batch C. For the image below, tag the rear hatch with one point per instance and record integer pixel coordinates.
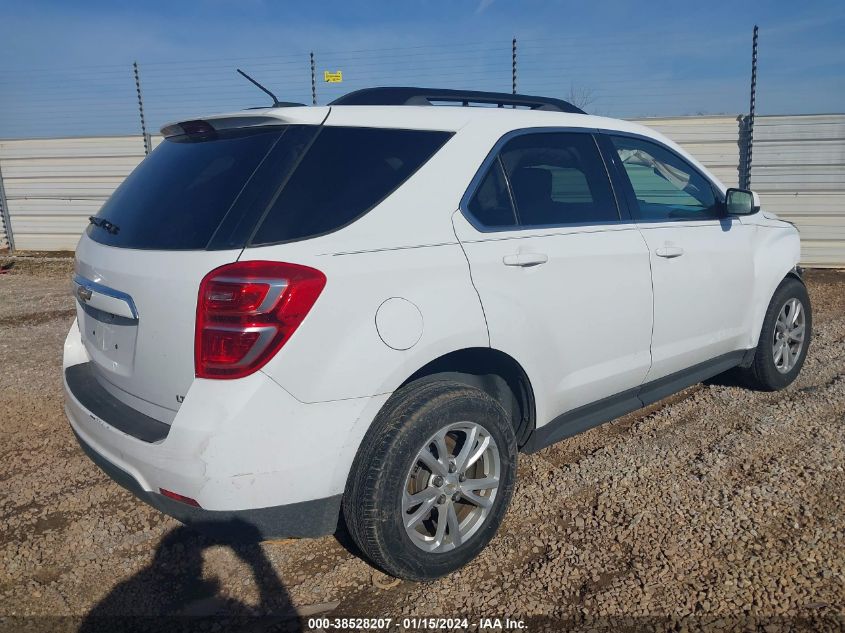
(188, 208)
(210, 189)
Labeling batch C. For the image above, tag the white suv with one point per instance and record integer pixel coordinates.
(293, 316)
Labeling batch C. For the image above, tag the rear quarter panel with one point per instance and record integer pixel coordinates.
(338, 353)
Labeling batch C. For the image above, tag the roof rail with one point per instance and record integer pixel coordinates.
(430, 96)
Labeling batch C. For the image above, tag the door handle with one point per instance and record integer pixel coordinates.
(525, 260)
(669, 251)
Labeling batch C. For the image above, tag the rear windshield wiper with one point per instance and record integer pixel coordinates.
(104, 224)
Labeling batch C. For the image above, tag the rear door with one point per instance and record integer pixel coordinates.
(188, 208)
(701, 260)
(564, 280)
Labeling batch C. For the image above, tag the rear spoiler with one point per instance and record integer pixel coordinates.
(308, 115)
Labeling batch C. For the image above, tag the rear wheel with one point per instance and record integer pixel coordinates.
(784, 338)
(432, 479)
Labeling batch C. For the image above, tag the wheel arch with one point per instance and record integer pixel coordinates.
(771, 287)
(796, 273)
(776, 256)
(496, 373)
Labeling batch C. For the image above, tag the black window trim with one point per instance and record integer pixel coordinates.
(261, 218)
(497, 163)
(610, 154)
(618, 178)
(495, 154)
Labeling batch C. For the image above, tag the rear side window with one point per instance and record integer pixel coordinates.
(558, 178)
(346, 172)
(178, 196)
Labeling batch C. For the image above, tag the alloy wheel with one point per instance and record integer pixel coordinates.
(450, 487)
(788, 338)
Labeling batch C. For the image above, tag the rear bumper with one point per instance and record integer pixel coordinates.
(246, 450)
(305, 519)
(82, 383)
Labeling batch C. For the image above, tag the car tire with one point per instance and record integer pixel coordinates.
(770, 370)
(416, 446)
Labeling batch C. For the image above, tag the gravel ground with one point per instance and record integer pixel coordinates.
(717, 508)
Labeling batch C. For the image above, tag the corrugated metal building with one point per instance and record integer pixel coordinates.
(53, 185)
(799, 171)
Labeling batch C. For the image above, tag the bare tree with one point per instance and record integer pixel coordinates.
(580, 96)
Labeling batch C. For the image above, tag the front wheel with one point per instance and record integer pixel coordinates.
(432, 479)
(784, 338)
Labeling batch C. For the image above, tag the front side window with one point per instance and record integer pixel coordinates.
(558, 178)
(665, 186)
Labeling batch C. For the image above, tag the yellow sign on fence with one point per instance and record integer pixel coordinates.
(333, 78)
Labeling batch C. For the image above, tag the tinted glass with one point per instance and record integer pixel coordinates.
(665, 186)
(491, 204)
(176, 198)
(346, 172)
(558, 178)
(261, 191)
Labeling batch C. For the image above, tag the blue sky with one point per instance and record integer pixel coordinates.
(66, 66)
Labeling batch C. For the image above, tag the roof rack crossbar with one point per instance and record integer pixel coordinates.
(430, 96)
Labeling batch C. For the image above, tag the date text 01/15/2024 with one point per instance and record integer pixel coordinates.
(417, 623)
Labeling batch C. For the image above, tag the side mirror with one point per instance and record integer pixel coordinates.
(741, 202)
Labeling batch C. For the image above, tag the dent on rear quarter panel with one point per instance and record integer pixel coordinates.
(777, 250)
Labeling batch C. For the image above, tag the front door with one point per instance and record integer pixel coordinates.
(701, 260)
(564, 281)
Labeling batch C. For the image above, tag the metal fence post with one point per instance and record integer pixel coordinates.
(313, 81)
(513, 66)
(141, 108)
(745, 179)
(7, 220)
(742, 145)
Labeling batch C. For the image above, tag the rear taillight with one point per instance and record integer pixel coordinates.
(247, 311)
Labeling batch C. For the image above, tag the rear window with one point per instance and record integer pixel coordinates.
(346, 173)
(178, 196)
(259, 186)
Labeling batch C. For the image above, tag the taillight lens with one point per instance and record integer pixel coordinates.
(247, 311)
(180, 498)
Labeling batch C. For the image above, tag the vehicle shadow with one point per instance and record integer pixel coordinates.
(730, 378)
(345, 540)
(171, 594)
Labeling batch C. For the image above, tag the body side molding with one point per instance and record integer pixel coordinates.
(607, 409)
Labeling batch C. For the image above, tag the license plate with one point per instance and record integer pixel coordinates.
(109, 339)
